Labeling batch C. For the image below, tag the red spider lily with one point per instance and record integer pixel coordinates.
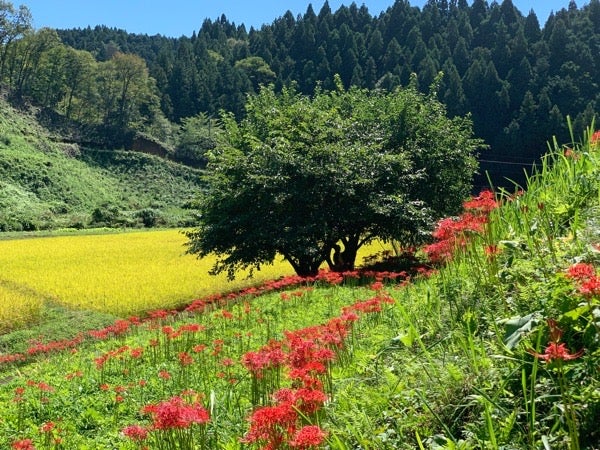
(137, 352)
(164, 375)
(270, 356)
(159, 314)
(590, 287)
(555, 332)
(47, 427)
(119, 328)
(191, 328)
(226, 314)
(581, 271)
(272, 425)
(452, 233)
(308, 401)
(44, 387)
(491, 250)
(595, 139)
(185, 359)
(24, 444)
(377, 286)
(77, 374)
(308, 437)
(136, 433)
(175, 413)
(54, 346)
(11, 358)
(570, 153)
(483, 203)
(555, 351)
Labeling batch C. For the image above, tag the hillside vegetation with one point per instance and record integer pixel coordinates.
(46, 184)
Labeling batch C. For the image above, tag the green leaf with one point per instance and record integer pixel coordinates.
(576, 313)
(516, 327)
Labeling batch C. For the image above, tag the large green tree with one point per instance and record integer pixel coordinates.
(315, 178)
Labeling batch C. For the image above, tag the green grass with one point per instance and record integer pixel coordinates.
(46, 184)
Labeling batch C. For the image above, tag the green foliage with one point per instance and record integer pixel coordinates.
(343, 167)
(197, 136)
(41, 187)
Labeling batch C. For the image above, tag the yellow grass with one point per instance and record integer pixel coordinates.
(124, 273)
(17, 307)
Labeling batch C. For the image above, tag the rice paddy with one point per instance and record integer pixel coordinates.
(121, 274)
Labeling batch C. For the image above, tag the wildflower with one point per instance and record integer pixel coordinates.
(47, 427)
(77, 374)
(45, 387)
(164, 375)
(185, 359)
(137, 352)
(491, 250)
(590, 287)
(227, 362)
(555, 351)
(308, 437)
(175, 413)
(271, 425)
(483, 203)
(377, 286)
(135, 432)
(595, 139)
(24, 444)
(581, 271)
(570, 153)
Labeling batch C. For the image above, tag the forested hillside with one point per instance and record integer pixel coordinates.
(517, 78)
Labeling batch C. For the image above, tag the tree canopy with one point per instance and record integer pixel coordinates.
(314, 178)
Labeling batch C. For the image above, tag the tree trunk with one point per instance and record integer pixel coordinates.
(304, 267)
(344, 259)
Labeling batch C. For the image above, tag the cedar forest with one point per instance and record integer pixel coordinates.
(519, 79)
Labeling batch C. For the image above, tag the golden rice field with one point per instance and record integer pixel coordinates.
(123, 274)
(17, 306)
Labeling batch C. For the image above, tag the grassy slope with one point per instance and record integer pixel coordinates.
(45, 184)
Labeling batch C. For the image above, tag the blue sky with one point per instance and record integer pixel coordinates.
(182, 17)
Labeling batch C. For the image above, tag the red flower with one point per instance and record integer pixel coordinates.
(185, 359)
(556, 351)
(24, 444)
(47, 427)
(590, 287)
(136, 432)
(308, 437)
(581, 271)
(595, 139)
(175, 413)
(137, 352)
(272, 425)
(484, 203)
